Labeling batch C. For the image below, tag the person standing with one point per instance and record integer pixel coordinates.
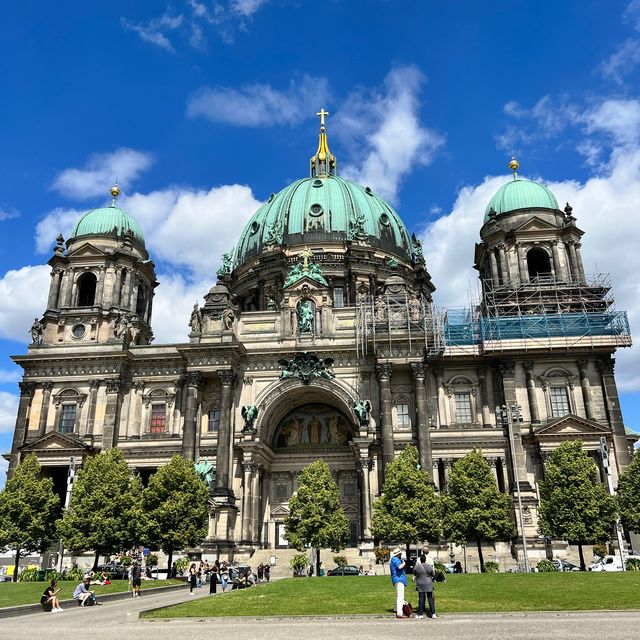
(193, 577)
(398, 579)
(136, 578)
(213, 578)
(267, 572)
(424, 575)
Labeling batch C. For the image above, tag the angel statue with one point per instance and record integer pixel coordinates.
(249, 415)
(362, 409)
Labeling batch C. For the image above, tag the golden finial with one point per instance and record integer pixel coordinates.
(323, 163)
(514, 165)
(115, 192)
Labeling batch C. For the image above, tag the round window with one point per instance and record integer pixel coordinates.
(317, 182)
(368, 190)
(384, 219)
(254, 227)
(78, 330)
(316, 210)
(271, 197)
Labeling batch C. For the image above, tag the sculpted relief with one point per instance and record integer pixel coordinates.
(312, 425)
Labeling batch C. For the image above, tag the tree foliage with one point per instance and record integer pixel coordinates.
(28, 511)
(629, 495)
(315, 516)
(574, 505)
(408, 510)
(175, 508)
(102, 514)
(474, 508)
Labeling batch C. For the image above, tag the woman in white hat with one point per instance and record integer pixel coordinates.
(398, 579)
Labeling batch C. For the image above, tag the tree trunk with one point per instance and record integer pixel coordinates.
(583, 567)
(16, 566)
(480, 556)
(318, 561)
(169, 559)
(96, 558)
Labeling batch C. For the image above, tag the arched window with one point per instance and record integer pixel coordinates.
(538, 263)
(87, 289)
(141, 302)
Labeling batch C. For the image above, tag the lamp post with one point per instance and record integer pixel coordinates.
(514, 412)
(70, 476)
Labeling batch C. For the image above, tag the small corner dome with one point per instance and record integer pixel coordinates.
(521, 194)
(104, 221)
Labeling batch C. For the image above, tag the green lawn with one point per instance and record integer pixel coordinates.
(461, 593)
(13, 594)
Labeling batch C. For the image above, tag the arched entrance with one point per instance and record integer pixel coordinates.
(301, 424)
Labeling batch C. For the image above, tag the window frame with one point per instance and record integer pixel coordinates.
(62, 427)
(153, 428)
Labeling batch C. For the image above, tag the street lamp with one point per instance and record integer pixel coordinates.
(514, 412)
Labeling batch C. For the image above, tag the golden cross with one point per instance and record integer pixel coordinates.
(306, 254)
(322, 113)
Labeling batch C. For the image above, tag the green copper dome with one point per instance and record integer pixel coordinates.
(103, 221)
(326, 209)
(521, 194)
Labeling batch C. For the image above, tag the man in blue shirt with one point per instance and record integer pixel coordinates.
(398, 579)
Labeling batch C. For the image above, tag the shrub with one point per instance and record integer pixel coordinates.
(29, 575)
(546, 566)
(382, 555)
(491, 567)
(182, 564)
(633, 564)
(299, 564)
(440, 571)
(52, 574)
(152, 560)
(74, 575)
(126, 561)
(600, 550)
(341, 561)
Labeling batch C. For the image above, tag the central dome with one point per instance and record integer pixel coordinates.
(521, 194)
(107, 221)
(327, 209)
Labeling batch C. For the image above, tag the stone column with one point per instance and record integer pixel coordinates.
(493, 462)
(448, 463)
(364, 465)
(54, 289)
(256, 491)
(561, 272)
(126, 290)
(583, 366)
(68, 286)
(109, 431)
(179, 387)
(133, 298)
(137, 388)
(522, 263)
(504, 267)
(115, 297)
(383, 372)
(223, 486)
(579, 263)
(194, 381)
(531, 393)
(435, 467)
(484, 393)
(247, 470)
(575, 271)
(93, 399)
(44, 408)
(419, 373)
(493, 263)
(102, 271)
(606, 366)
(442, 410)
(22, 423)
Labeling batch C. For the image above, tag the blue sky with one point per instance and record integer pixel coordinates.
(202, 109)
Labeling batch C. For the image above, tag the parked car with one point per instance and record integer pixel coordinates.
(347, 570)
(607, 563)
(115, 571)
(564, 565)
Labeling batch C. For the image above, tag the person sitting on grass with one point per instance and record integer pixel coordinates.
(49, 599)
(104, 578)
(83, 595)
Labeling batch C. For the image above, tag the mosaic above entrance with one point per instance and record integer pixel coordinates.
(312, 425)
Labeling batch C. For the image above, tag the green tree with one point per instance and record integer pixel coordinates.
(175, 508)
(629, 495)
(574, 505)
(315, 516)
(103, 510)
(474, 508)
(28, 511)
(408, 510)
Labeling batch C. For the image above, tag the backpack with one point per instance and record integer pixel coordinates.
(407, 609)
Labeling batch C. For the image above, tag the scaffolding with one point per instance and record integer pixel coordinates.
(542, 314)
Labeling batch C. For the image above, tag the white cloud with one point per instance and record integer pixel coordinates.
(259, 105)
(100, 172)
(6, 213)
(8, 410)
(622, 61)
(606, 206)
(57, 221)
(247, 8)
(382, 130)
(4, 466)
(617, 119)
(23, 296)
(12, 375)
(155, 31)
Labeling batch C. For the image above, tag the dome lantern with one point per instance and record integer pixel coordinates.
(323, 163)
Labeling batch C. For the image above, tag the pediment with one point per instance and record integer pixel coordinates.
(536, 224)
(280, 510)
(306, 283)
(572, 425)
(86, 250)
(55, 441)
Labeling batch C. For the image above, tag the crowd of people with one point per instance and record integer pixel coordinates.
(227, 577)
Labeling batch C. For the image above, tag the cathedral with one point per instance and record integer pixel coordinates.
(320, 339)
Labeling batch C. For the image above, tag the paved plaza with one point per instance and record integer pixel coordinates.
(120, 620)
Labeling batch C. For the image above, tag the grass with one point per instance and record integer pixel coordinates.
(14, 594)
(461, 593)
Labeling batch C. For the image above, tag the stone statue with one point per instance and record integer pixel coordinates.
(417, 248)
(362, 409)
(196, 319)
(204, 469)
(295, 273)
(274, 234)
(249, 415)
(37, 332)
(315, 273)
(121, 327)
(228, 317)
(305, 316)
(271, 304)
(227, 265)
(356, 227)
